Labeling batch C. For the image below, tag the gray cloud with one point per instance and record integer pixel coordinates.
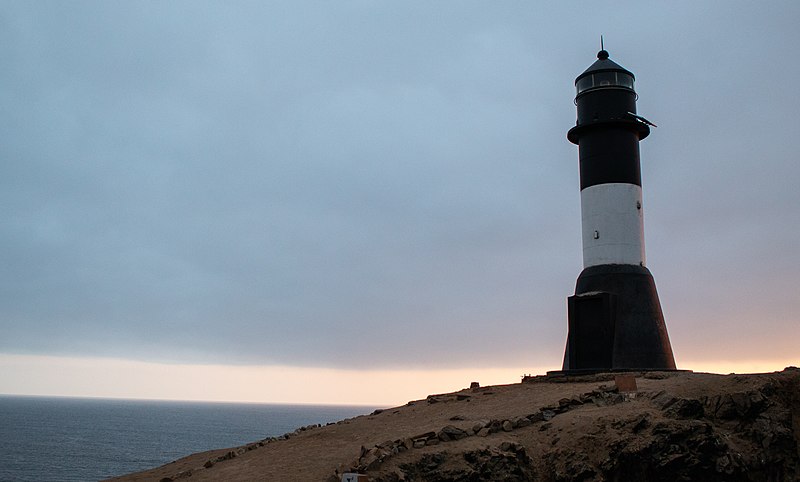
(255, 183)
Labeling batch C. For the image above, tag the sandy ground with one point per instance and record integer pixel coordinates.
(591, 426)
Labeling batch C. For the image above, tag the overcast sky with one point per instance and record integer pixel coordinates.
(381, 184)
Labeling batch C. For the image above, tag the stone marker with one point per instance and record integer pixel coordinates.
(625, 383)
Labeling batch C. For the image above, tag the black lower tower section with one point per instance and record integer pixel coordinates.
(616, 322)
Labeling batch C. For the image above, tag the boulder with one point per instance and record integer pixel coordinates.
(453, 432)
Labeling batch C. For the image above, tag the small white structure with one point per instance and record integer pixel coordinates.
(354, 478)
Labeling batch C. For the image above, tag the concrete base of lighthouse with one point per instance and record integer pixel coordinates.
(616, 323)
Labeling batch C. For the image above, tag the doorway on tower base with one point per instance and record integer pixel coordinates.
(592, 323)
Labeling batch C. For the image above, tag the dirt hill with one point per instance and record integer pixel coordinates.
(673, 426)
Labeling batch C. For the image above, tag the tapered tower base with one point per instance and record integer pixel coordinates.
(616, 323)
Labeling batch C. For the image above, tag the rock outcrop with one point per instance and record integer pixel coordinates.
(747, 435)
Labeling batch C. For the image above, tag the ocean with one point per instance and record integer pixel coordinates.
(84, 439)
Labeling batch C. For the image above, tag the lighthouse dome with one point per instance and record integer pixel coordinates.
(604, 73)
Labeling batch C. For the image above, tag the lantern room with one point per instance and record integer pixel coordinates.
(604, 73)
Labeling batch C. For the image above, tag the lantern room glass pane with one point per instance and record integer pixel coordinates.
(605, 79)
(625, 80)
(584, 83)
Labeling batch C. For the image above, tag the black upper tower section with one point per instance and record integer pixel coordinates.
(608, 130)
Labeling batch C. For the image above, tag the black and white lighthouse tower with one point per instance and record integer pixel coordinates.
(615, 318)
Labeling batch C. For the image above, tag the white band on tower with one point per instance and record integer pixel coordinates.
(613, 227)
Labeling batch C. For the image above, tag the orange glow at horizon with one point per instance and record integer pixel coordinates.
(114, 378)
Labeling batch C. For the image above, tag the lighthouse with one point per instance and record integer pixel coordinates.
(615, 318)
